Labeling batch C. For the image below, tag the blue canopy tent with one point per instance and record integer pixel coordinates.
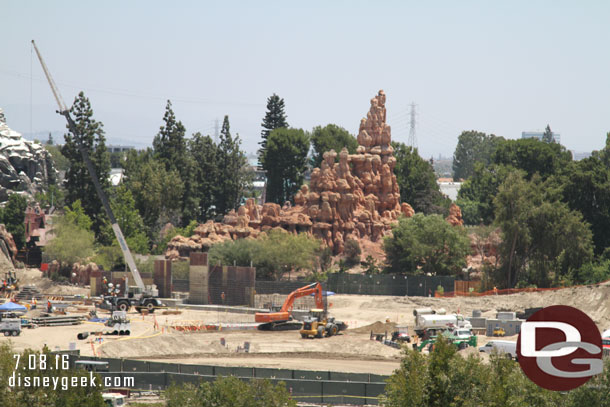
(10, 306)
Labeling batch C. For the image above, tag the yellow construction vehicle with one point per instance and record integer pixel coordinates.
(319, 325)
(499, 331)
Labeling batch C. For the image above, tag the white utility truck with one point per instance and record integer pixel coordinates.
(431, 323)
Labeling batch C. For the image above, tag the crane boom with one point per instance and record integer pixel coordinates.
(64, 111)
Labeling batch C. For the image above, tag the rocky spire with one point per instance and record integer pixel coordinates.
(354, 198)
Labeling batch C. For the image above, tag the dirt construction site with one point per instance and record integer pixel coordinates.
(179, 334)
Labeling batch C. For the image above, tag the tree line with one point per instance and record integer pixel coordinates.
(183, 180)
(553, 213)
(446, 378)
(529, 190)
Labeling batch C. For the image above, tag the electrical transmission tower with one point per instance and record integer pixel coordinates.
(412, 122)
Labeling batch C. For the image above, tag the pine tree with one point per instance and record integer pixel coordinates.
(547, 137)
(233, 175)
(50, 140)
(78, 180)
(201, 187)
(170, 143)
(157, 193)
(285, 163)
(274, 119)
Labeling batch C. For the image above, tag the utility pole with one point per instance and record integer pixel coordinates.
(412, 122)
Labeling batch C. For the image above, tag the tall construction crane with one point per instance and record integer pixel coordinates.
(145, 296)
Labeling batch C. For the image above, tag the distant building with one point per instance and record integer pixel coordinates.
(119, 149)
(35, 234)
(449, 187)
(539, 134)
(259, 183)
(580, 155)
(116, 176)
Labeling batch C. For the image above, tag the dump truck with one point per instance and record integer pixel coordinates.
(319, 325)
(430, 324)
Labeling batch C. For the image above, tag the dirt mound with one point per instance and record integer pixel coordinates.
(33, 277)
(172, 344)
(376, 327)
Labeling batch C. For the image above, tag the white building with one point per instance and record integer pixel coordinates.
(539, 134)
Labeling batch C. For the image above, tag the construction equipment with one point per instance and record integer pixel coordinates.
(460, 341)
(397, 338)
(114, 399)
(118, 324)
(282, 319)
(401, 334)
(10, 282)
(431, 323)
(143, 297)
(499, 331)
(10, 326)
(319, 325)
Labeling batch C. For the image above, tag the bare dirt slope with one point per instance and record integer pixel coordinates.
(33, 277)
(593, 300)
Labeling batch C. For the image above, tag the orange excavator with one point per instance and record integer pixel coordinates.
(282, 319)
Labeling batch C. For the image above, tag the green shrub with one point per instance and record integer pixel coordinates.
(446, 378)
(427, 244)
(352, 252)
(273, 253)
(324, 258)
(71, 244)
(594, 272)
(110, 258)
(370, 265)
(230, 392)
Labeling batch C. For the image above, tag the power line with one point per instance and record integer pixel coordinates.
(140, 95)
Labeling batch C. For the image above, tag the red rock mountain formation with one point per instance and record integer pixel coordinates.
(356, 198)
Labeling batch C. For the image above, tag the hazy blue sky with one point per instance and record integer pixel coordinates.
(498, 67)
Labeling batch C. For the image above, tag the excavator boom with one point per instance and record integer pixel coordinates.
(315, 288)
(275, 320)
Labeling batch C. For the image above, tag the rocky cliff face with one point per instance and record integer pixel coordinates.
(8, 249)
(25, 166)
(356, 198)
